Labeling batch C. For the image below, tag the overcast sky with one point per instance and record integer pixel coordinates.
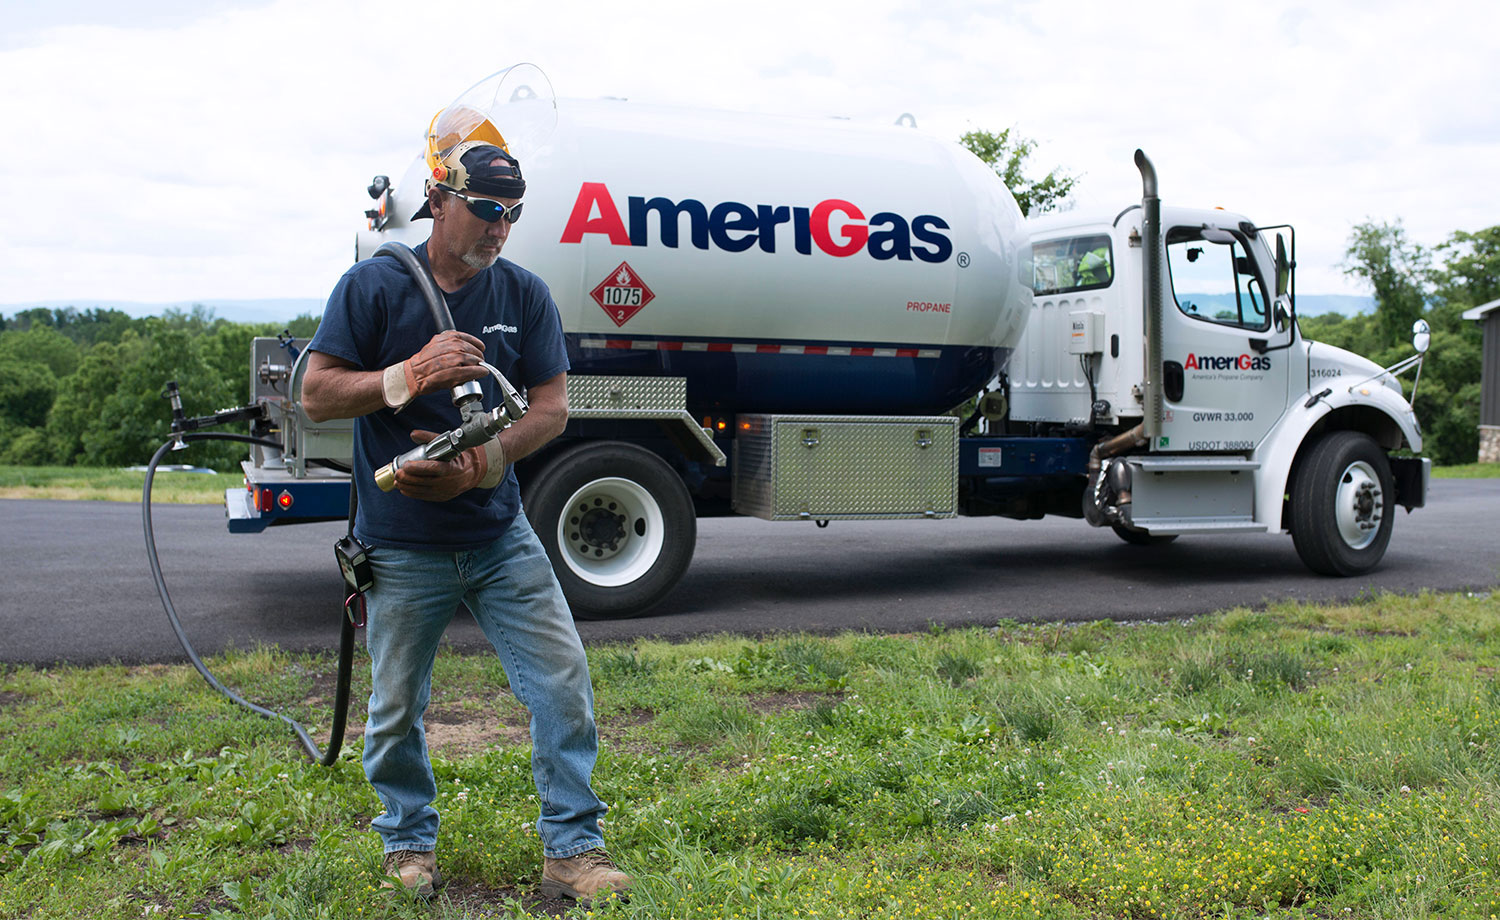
(171, 150)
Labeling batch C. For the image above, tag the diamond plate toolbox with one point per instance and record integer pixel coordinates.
(829, 467)
(647, 396)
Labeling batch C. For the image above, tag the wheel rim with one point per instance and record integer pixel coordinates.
(610, 532)
(1358, 505)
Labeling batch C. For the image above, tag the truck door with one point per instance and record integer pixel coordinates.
(1221, 391)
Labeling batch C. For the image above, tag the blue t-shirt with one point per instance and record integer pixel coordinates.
(377, 317)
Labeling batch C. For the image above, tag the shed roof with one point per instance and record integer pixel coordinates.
(1482, 310)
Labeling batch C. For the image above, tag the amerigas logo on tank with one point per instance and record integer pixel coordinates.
(833, 226)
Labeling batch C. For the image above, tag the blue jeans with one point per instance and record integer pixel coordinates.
(513, 594)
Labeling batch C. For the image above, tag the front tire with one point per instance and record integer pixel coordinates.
(618, 525)
(1343, 503)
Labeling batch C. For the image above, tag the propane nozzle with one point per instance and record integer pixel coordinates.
(478, 427)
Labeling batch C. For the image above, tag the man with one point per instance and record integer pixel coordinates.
(453, 531)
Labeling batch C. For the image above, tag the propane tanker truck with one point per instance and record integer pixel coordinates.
(777, 317)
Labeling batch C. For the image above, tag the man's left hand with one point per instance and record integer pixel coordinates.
(441, 480)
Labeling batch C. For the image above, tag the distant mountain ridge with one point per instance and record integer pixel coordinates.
(1307, 304)
(269, 310)
(284, 309)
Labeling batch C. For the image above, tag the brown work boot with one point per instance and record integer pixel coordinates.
(584, 877)
(416, 869)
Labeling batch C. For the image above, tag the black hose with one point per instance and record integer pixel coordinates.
(437, 305)
(346, 638)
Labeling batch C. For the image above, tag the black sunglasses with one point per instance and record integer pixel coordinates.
(488, 209)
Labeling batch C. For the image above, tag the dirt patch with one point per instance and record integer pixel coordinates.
(1299, 808)
(300, 845)
(9, 699)
(456, 733)
(789, 701)
(476, 900)
(618, 731)
(325, 686)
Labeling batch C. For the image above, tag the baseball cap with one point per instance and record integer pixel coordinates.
(472, 167)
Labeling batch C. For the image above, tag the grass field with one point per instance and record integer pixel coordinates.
(1467, 471)
(1304, 761)
(88, 483)
(112, 485)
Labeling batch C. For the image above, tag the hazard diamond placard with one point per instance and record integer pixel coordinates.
(622, 294)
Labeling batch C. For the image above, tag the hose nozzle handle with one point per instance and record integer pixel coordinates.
(475, 431)
(442, 447)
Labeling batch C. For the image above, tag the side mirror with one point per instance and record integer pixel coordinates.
(1283, 268)
(1282, 316)
(1421, 336)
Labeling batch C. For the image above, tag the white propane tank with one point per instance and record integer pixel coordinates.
(780, 264)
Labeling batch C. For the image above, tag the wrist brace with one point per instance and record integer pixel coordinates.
(494, 456)
(394, 387)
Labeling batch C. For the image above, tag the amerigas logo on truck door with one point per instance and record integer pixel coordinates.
(1226, 363)
(834, 226)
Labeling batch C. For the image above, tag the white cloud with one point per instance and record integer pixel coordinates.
(209, 150)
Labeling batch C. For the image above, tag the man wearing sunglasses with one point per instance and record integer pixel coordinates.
(453, 532)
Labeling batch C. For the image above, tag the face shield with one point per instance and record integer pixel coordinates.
(513, 110)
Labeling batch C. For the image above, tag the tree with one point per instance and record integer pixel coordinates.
(303, 326)
(79, 408)
(84, 327)
(1396, 268)
(1006, 155)
(40, 345)
(1407, 287)
(1471, 274)
(27, 389)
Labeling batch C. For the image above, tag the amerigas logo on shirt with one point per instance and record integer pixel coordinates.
(499, 327)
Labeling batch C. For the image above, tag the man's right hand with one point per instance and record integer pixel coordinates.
(449, 359)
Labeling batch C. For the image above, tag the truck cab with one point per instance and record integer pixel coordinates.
(1231, 353)
(1237, 419)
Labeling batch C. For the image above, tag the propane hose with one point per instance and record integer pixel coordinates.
(478, 426)
(465, 397)
(346, 639)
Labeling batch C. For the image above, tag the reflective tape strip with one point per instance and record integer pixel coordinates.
(749, 348)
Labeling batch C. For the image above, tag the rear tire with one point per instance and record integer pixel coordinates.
(618, 525)
(1343, 503)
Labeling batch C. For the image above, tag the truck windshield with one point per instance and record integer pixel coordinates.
(1216, 282)
(1080, 263)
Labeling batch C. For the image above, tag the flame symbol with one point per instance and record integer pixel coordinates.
(623, 276)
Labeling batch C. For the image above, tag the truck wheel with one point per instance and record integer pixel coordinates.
(618, 524)
(1342, 504)
(1140, 537)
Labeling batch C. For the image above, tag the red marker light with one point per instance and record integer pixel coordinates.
(284, 500)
